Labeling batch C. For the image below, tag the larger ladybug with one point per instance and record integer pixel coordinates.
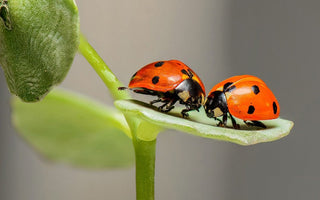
(245, 97)
(170, 81)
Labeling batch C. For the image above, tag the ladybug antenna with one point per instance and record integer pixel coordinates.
(188, 73)
(122, 88)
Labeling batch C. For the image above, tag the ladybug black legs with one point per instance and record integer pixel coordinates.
(155, 101)
(223, 122)
(184, 113)
(234, 123)
(255, 123)
(188, 108)
(167, 106)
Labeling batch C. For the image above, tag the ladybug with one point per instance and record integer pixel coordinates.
(246, 97)
(170, 81)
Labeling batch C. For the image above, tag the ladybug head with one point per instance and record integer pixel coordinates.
(190, 93)
(216, 104)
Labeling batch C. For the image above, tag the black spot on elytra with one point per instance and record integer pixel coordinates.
(159, 64)
(255, 89)
(155, 79)
(251, 110)
(275, 108)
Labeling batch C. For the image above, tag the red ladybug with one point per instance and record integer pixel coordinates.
(245, 97)
(170, 81)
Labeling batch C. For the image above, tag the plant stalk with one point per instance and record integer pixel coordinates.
(145, 168)
(102, 69)
(144, 150)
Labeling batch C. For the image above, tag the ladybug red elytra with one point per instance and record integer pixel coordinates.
(246, 97)
(170, 81)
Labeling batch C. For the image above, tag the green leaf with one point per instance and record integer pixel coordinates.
(200, 125)
(38, 41)
(69, 128)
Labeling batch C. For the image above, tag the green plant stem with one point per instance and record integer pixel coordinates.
(145, 168)
(144, 150)
(102, 69)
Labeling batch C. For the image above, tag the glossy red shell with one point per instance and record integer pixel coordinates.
(233, 79)
(162, 76)
(249, 98)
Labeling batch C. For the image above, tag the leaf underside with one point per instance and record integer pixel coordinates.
(38, 41)
(71, 129)
(200, 125)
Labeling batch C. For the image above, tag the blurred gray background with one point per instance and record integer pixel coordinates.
(279, 41)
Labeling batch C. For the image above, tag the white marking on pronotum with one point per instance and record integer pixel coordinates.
(217, 112)
(184, 95)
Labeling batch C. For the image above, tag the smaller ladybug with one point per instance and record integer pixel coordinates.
(170, 81)
(245, 97)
